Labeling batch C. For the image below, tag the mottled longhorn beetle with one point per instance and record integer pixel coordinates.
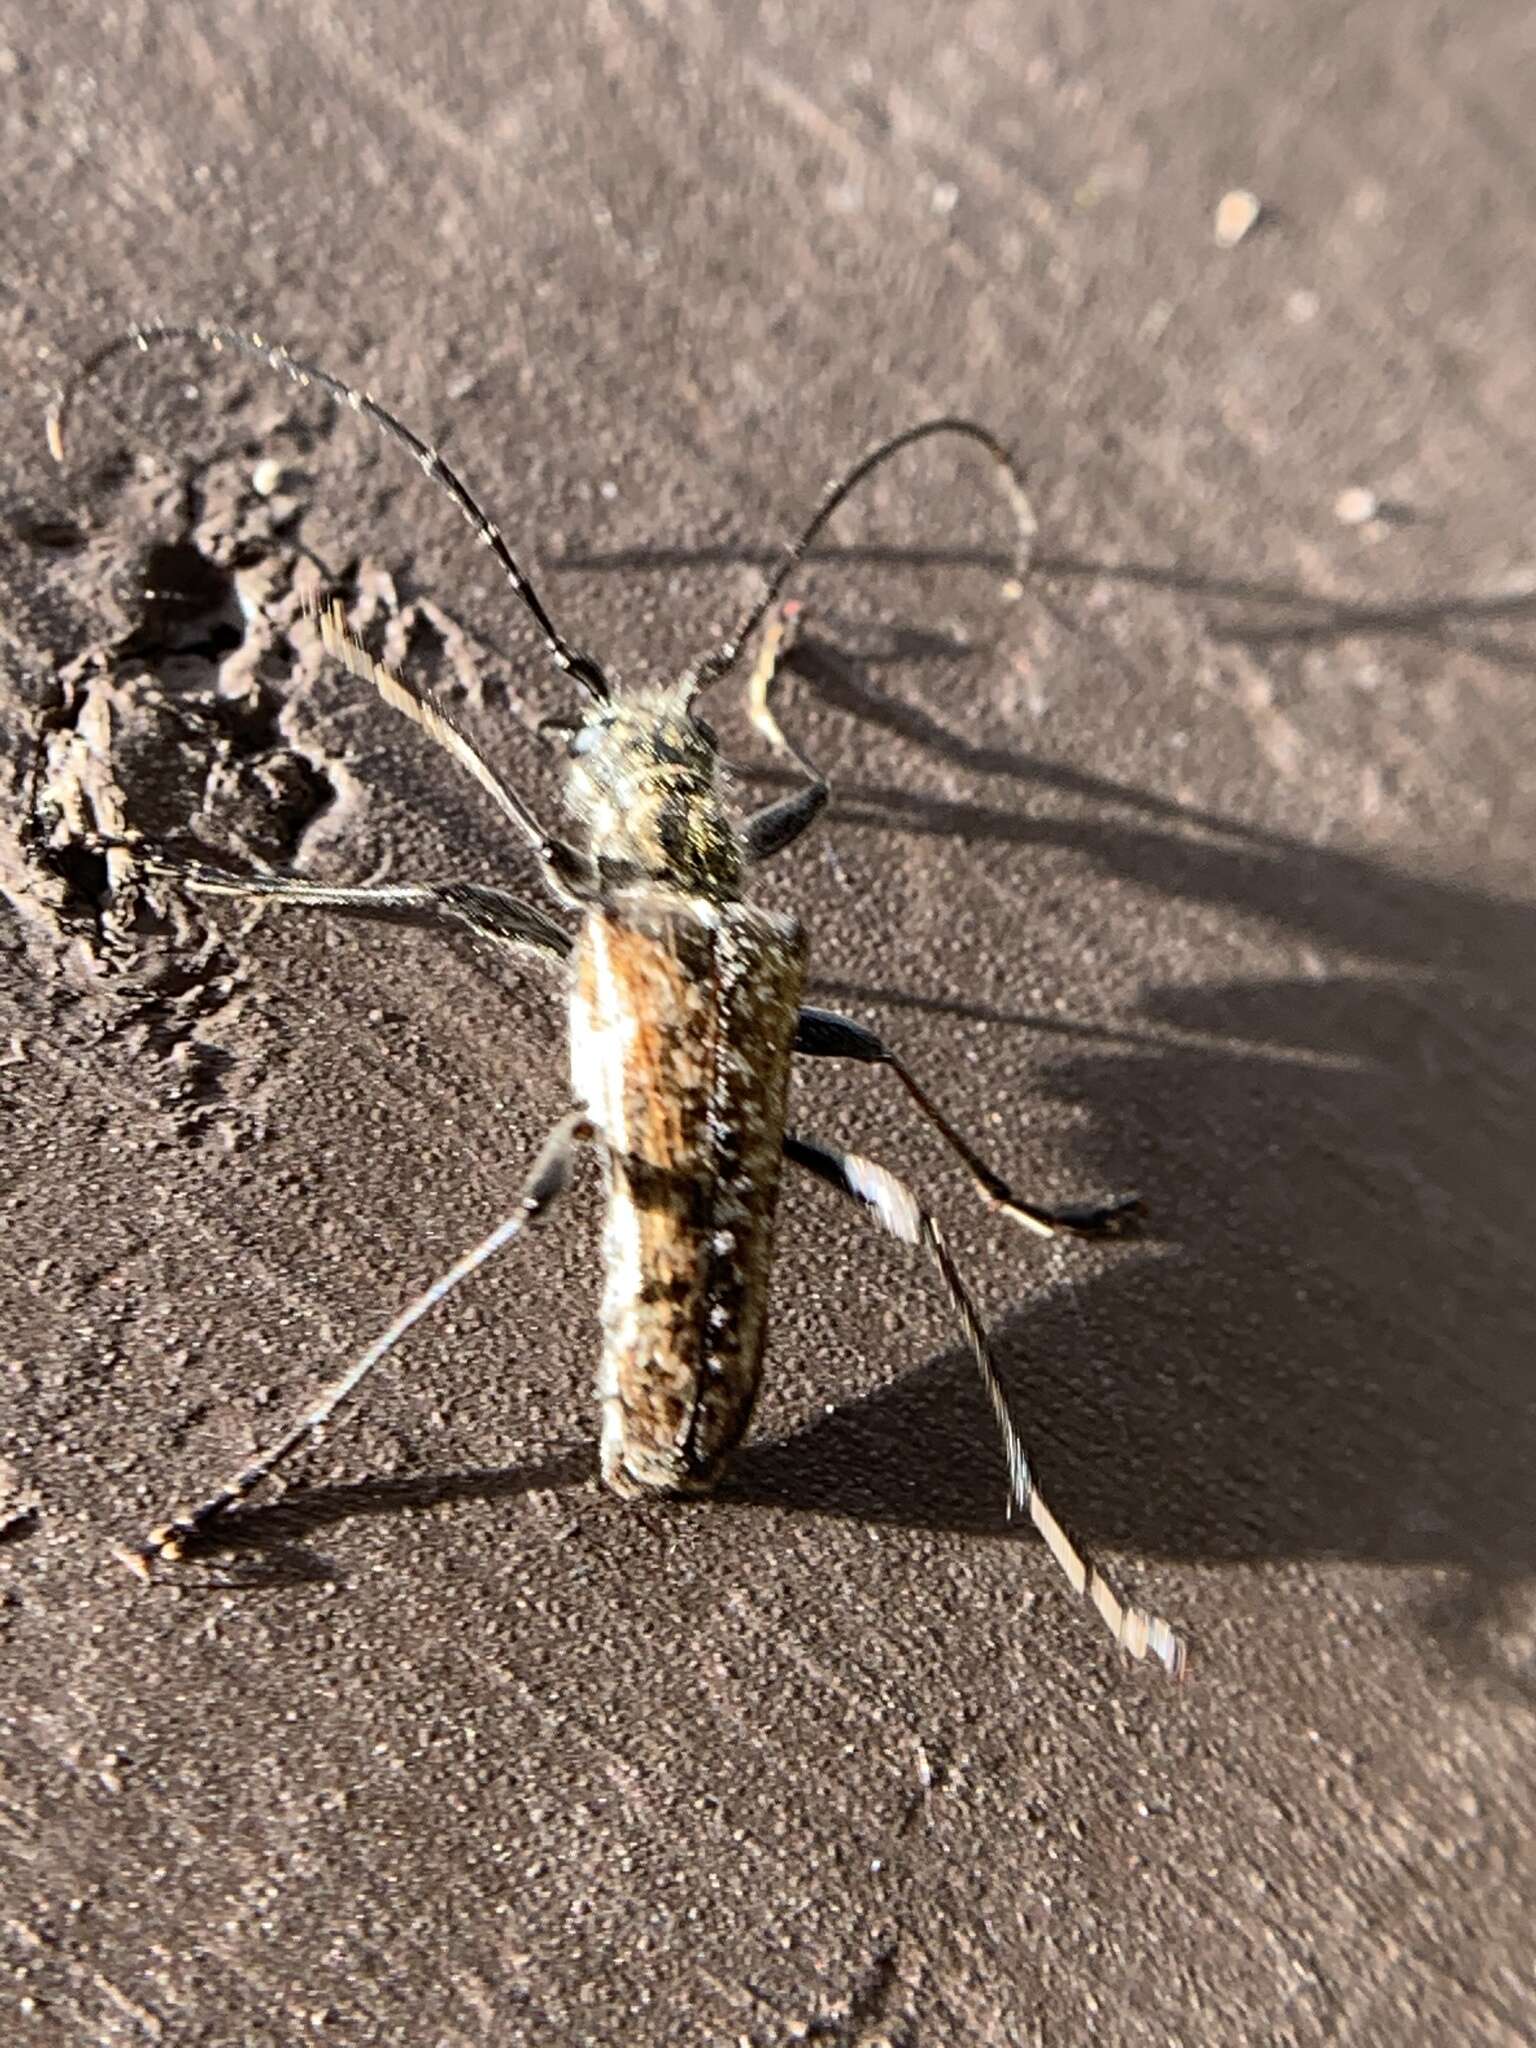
(685, 1014)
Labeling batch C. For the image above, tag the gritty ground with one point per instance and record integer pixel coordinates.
(1202, 868)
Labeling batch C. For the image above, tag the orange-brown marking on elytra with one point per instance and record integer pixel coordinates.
(682, 1017)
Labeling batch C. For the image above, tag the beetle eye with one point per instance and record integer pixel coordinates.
(702, 726)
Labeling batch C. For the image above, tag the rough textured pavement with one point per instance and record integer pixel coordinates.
(1203, 868)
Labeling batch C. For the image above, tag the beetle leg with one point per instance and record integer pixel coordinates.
(898, 1211)
(780, 824)
(823, 1034)
(494, 915)
(551, 1173)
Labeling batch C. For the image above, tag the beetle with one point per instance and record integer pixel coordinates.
(686, 1012)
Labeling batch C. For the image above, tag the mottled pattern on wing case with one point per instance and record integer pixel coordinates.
(682, 1017)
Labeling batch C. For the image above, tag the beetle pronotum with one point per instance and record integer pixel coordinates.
(685, 1013)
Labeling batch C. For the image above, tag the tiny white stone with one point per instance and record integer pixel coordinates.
(1356, 506)
(1235, 216)
(266, 477)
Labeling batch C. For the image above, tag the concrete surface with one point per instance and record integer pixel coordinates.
(1204, 868)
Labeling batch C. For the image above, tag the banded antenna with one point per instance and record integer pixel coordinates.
(153, 333)
(724, 657)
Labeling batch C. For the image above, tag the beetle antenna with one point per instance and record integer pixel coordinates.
(724, 658)
(152, 333)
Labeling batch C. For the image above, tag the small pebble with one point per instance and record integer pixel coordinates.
(1356, 506)
(266, 477)
(1235, 215)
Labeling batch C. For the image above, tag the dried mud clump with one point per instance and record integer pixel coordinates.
(178, 732)
(184, 729)
(197, 727)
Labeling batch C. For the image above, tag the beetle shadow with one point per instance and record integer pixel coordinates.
(1334, 1360)
(1241, 610)
(1331, 1358)
(263, 1545)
